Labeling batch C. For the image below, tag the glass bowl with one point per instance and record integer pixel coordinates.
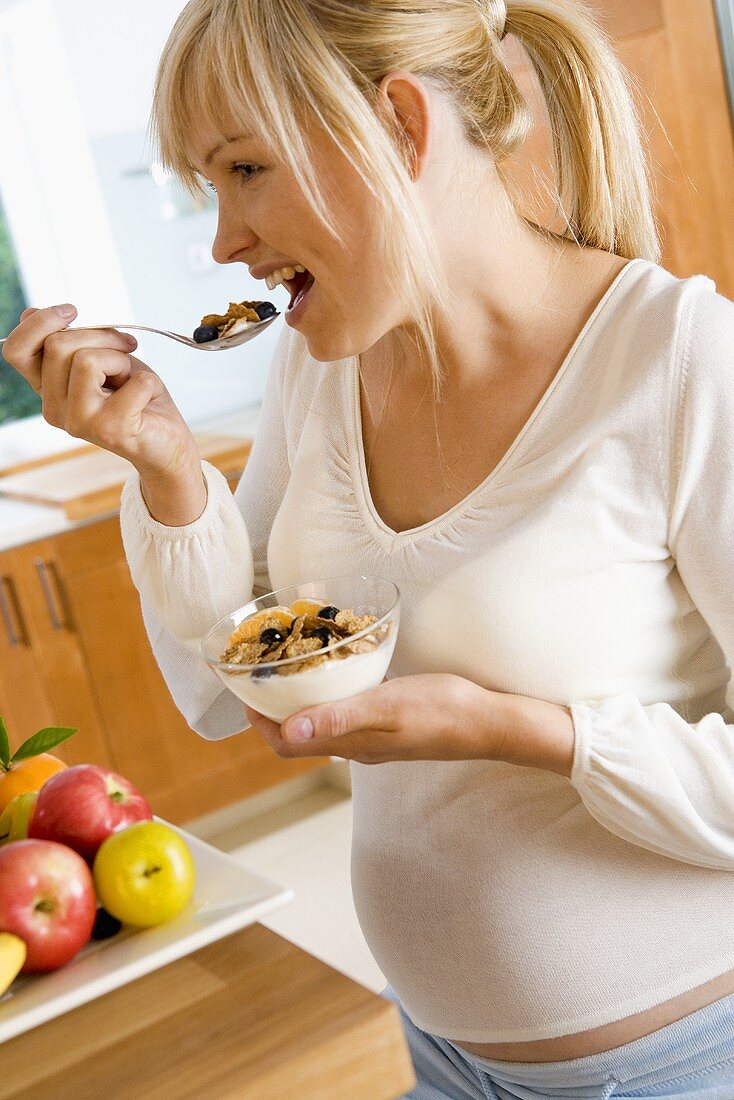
(279, 688)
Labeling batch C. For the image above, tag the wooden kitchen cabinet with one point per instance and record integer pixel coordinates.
(671, 50)
(25, 702)
(43, 676)
(74, 652)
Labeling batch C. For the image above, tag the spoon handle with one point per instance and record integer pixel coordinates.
(145, 328)
(140, 328)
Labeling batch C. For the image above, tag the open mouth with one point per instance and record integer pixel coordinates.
(298, 287)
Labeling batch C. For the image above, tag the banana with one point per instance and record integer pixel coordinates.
(12, 957)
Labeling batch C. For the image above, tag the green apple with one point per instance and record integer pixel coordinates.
(16, 817)
(144, 874)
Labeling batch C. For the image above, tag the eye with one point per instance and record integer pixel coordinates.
(246, 172)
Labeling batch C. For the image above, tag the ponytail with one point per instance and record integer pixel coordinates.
(603, 183)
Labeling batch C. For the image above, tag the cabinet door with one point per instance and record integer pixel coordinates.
(672, 51)
(182, 775)
(60, 656)
(25, 702)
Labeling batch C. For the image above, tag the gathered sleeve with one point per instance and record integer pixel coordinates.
(189, 577)
(644, 772)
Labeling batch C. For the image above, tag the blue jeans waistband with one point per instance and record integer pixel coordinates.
(703, 1038)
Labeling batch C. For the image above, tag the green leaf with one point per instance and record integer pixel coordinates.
(42, 741)
(4, 747)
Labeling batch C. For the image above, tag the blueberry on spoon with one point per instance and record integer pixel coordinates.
(204, 333)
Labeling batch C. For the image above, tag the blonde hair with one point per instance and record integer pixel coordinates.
(283, 64)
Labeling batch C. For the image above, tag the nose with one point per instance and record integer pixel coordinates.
(233, 239)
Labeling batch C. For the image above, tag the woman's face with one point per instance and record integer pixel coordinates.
(265, 221)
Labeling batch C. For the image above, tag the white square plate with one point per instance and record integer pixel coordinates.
(227, 897)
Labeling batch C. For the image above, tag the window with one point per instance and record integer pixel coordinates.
(17, 399)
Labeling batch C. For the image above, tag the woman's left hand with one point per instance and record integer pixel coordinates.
(426, 717)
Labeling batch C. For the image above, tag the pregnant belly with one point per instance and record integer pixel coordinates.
(599, 1039)
(500, 911)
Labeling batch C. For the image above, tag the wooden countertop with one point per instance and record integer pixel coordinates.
(22, 523)
(250, 1017)
(88, 482)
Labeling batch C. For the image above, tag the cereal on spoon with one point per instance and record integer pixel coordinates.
(239, 315)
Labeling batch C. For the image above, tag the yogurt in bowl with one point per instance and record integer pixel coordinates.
(307, 644)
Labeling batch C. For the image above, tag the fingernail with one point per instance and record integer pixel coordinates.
(130, 339)
(300, 730)
(67, 310)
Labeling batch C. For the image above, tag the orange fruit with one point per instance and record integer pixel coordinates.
(27, 775)
(279, 618)
(306, 607)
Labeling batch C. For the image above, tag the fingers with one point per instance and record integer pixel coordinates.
(23, 348)
(79, 346)
(111, 417)
(41, 348)
(94, 388)
(374, 709)
(264, 726)
(272, 734)
(95, 376)
(118, 421)
(365, 745)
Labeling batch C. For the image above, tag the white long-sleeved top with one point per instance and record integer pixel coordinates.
(591, 568)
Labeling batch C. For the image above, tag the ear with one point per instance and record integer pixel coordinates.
(404, 100)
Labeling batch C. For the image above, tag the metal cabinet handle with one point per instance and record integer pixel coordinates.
(55, 601)
(19, 636)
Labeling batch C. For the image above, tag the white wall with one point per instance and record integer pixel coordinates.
(48, 180)
(86, 219)
(113, 48)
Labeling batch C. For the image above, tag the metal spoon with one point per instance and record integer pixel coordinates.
(224, 342)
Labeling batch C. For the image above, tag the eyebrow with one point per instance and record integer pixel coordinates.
(230, 141)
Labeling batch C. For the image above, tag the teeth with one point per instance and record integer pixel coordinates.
(275, 278)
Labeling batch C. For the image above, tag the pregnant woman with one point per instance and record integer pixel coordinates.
(532, 434)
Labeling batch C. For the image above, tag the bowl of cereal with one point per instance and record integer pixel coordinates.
(307, 644)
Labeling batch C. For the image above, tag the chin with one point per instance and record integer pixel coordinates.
(331, 348)
(337, 343)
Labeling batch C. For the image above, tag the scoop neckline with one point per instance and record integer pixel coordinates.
(361, 481)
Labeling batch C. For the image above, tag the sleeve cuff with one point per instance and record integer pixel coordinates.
(582, 717)
(133, 504)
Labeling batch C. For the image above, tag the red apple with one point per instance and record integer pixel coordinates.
(47, 898)
(85, 807)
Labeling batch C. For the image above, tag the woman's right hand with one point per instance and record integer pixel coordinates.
(92, 387)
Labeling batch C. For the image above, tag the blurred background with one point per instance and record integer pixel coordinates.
(86, 214)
